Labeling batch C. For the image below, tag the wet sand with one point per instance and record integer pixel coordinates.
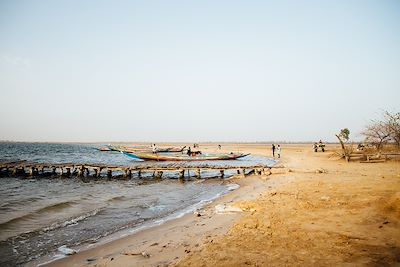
(317, 211)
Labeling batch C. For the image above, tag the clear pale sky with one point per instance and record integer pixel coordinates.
(196, 70)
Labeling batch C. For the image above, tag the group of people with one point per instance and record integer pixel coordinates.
(191, 152)
(319, 145)
(278, 150)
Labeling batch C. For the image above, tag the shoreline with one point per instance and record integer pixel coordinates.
(161, 241)
(157, 222)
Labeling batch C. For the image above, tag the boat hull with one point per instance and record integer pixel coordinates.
(145, 149)
(182, 157)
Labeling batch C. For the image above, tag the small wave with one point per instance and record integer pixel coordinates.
(14, 203)
(117, 199)
(57, 206)
(71, 221)
(51, 208)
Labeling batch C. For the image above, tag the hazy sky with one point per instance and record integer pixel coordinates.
(196, 70)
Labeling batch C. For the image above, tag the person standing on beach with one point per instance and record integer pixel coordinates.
(278, 150)
(273, 150)
(154, 148)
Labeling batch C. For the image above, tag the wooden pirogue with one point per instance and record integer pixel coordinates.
(184, 157)
(29, 169)
(133, 149)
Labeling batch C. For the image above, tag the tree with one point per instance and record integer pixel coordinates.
(393, 124)
(343, 137)
(379, 132)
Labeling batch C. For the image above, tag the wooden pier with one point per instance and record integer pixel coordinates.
(26, 169)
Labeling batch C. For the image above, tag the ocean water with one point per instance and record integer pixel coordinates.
(39, 215)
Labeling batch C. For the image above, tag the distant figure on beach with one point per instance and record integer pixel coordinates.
(219, 146)
(321, 145)
(315, 147)
(189, 152)
(273, 150)
(278, 150)
(154, 148)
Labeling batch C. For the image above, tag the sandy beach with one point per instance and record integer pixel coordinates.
(139, 133)
(315, 211)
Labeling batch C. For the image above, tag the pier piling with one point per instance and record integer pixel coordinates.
(23, 169)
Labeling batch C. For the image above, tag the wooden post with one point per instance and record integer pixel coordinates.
(109, 174)
(20, 171)
(75, 171)
(95, 172)
(244, 172)
(159, 174)
(128, 174)
(32, 171)
(6, 170)
(222, 173)
(140, 173)
(68, 171)
(198, 173)
(81, 171)
(181, 174)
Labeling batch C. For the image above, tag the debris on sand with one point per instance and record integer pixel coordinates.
(66, 251)
(226, 209)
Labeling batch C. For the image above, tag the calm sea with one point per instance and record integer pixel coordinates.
(37, 216)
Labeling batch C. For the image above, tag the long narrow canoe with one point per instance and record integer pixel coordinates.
(184, 157)
(128, 149)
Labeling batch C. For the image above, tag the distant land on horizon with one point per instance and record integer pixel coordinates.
(174, 142)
